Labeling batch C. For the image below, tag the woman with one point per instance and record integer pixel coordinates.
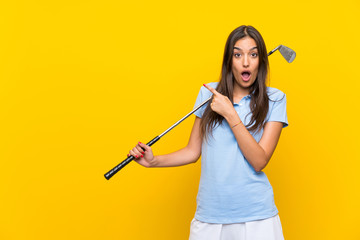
(236, 135)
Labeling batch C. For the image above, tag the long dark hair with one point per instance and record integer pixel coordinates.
(259, 103)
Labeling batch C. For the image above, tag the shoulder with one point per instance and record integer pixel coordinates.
(205, 91)
(211, 84)
(277, 106)
(204, 94)
(275, 94)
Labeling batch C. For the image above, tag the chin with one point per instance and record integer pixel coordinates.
(248, 84)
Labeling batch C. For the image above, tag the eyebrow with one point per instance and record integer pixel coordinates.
(241, 49)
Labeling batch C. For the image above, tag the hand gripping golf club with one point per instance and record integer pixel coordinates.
(286, 52)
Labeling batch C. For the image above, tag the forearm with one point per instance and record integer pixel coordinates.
(251, 149)
(181, 157)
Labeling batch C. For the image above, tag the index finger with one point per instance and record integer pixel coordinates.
(144, 146)
(211, 89)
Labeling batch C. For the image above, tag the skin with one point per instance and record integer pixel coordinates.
(245, 57)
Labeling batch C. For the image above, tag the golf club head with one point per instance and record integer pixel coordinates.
(287, 53)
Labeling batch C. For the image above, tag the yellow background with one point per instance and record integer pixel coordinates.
(82, 81)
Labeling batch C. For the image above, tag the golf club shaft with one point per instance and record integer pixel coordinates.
(272, 51)
(113, 171)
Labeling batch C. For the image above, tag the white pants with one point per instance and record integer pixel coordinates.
(266, 229)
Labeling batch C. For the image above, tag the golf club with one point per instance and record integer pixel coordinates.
(286, 52)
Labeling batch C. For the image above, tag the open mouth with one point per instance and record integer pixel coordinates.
(245, 75)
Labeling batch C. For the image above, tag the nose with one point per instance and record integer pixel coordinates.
(245, 61)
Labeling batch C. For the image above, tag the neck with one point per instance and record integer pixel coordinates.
(239, 93)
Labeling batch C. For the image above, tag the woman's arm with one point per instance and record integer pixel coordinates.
(257, 154)
(186, 155)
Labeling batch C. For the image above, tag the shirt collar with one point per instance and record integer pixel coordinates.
(247, 97)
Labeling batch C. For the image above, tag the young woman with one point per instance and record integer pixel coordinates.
(236, 135)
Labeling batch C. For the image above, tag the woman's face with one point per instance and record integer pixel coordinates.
(245, 62)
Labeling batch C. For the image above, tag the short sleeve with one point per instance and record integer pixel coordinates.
(203, 95)
(278, 108)
(198, 101)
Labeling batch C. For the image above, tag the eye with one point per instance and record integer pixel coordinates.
(254, 54)
(237, 55)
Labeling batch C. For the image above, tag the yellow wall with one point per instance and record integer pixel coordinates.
(82, 81)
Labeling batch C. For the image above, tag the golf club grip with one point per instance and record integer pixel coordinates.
(113, 171)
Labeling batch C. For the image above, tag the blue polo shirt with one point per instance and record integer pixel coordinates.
(230, 190)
